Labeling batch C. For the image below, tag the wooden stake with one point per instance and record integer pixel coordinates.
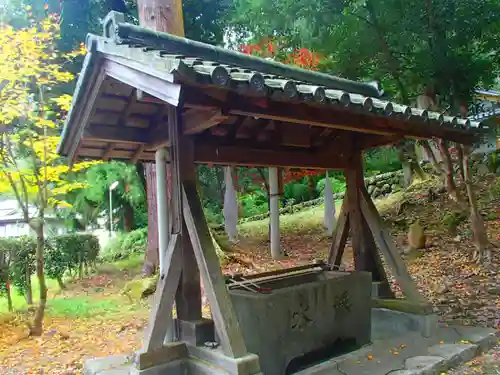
(221, 306)
(388, 249)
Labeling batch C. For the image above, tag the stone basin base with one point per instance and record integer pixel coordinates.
(305, 319)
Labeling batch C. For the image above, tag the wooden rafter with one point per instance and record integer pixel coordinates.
(114, 133)
(137, 154)
(132, 99)
(107, 151)
(197, 120)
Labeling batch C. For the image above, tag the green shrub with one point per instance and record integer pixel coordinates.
(7, 250)
(136, 241)
(381, 160)
(23, 262)
(297, 191)
(254, 203)
(493, 162)
(451, 220)
(125, 244)
(338, 185)
(70, 252)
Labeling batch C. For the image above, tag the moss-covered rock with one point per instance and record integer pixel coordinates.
(140, 288)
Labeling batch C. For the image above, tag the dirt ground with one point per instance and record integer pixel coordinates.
(93, 318)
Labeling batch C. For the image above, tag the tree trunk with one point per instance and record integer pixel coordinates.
(128, 217)
(37, 328)
(9, 296)
(451, 187)
(151, 258)
(461, 170)
(310, 187)
(61, 283)
(29, 289)
(480, 237)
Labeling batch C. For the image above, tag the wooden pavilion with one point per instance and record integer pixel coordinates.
(141, 92)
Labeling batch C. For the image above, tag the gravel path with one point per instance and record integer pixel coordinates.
(486, 364)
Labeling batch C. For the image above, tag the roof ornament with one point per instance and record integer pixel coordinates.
(110, 23)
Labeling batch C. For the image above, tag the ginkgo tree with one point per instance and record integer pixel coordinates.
(30, 117)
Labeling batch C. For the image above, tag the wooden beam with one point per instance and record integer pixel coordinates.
(388, 248)
(304, 115)
(372, 141)
(160, 319)
(340, 235)
(197, 120)
(223, 314)
(211, 152)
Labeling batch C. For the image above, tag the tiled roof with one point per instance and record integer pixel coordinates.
(204, 64)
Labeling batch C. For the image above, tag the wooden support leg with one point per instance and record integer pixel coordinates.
(377, 268)
(160, 320)
(340, 235)
(388, 249)
(223, 312)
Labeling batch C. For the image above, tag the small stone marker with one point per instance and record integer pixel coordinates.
(416, 236)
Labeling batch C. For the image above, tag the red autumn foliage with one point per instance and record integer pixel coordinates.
(301, 57)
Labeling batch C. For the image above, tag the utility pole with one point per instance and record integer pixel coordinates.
(166, 16)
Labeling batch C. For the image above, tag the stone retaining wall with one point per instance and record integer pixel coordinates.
(377, 186)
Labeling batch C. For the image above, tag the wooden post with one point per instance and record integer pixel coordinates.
(274, 212)
(366, 256)
(360, 243)
(188, 298)
(166, 15)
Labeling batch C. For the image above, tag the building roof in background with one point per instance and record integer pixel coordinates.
(488, 92)
(10, 212)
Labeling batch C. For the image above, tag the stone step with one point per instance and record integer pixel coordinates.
(408, 354)
(412, 354)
